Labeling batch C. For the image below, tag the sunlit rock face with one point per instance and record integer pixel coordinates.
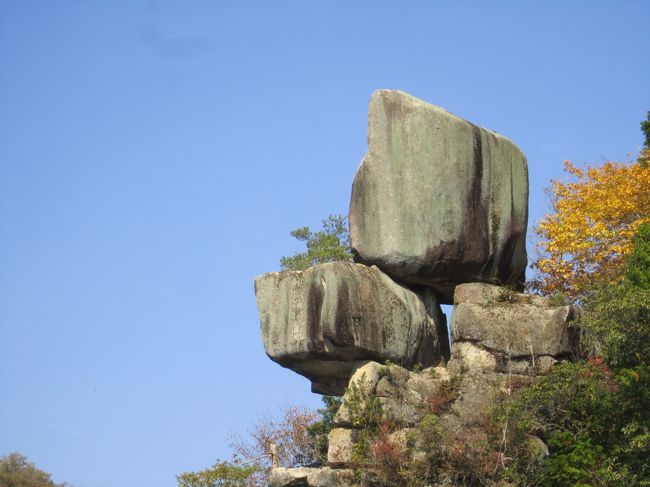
(437, 200)
(320, 322)
(512, 324)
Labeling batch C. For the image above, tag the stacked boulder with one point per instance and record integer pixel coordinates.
(437, 200)
(438, 215)
(322, 321)
(502, 340)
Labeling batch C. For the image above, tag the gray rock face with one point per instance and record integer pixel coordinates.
(311, 477)
(290, 477)
(320, 322)
(340, 449)
(512, 324)
(438, 200)
(400, 393)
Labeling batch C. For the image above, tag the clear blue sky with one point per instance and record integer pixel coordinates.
(154, 157)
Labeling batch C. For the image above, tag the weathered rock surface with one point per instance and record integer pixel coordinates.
(340, 449)
(512, 324)
(438, 200)
(467, 358)
(290, 477)
(402, 395)
(322, 321)
(311, 477)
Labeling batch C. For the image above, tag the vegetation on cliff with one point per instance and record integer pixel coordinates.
(330, 244)
(595, 415)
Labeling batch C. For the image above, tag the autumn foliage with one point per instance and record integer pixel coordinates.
(589, 232)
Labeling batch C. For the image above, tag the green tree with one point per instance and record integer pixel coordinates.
(595, 416)
(638, 269)
(617, 319)
(17, 471)
(221, 474)
(332, 243)
(645, 128)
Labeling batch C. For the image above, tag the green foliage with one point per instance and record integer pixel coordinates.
(618, 321)
(638, 262)
(221, 474)
(573, 410)
(572, 397)
(332, 243)
(595, 416)
(365, 412)
(17, 471)
(428, 436)
(575, 461)
(645, 128)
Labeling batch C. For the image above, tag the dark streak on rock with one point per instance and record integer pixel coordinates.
(314, 305)
(475, 249)
(342, 335)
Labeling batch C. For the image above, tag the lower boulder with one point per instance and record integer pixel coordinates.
(322, 321)
(512, 324)
(312, 477)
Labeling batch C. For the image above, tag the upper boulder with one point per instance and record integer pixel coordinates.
(438, 200)
(321, 321)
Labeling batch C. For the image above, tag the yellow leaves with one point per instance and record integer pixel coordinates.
(595, 217)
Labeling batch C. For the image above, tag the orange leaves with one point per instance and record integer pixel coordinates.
(595, 217)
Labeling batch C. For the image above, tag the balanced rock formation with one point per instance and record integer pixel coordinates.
(320, 322)
(438, 214)
(437, 200)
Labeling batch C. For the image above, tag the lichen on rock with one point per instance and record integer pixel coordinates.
(320, 322)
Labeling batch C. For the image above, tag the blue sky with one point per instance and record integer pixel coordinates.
(154, 157)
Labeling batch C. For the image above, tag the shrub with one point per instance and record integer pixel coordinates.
(332, 243)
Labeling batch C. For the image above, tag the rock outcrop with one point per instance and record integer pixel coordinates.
(512, 324)
(441, 416)
(438, 200)
(311, 477)
(320, 322)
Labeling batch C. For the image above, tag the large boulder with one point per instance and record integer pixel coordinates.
(512, 324)
(322, 321)
(438, 200)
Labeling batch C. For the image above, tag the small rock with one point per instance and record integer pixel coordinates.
(538, 447)
(341, 446)
(311, 477)
(468, 358)
(364, 381)
(290, 477)
(328, 477)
